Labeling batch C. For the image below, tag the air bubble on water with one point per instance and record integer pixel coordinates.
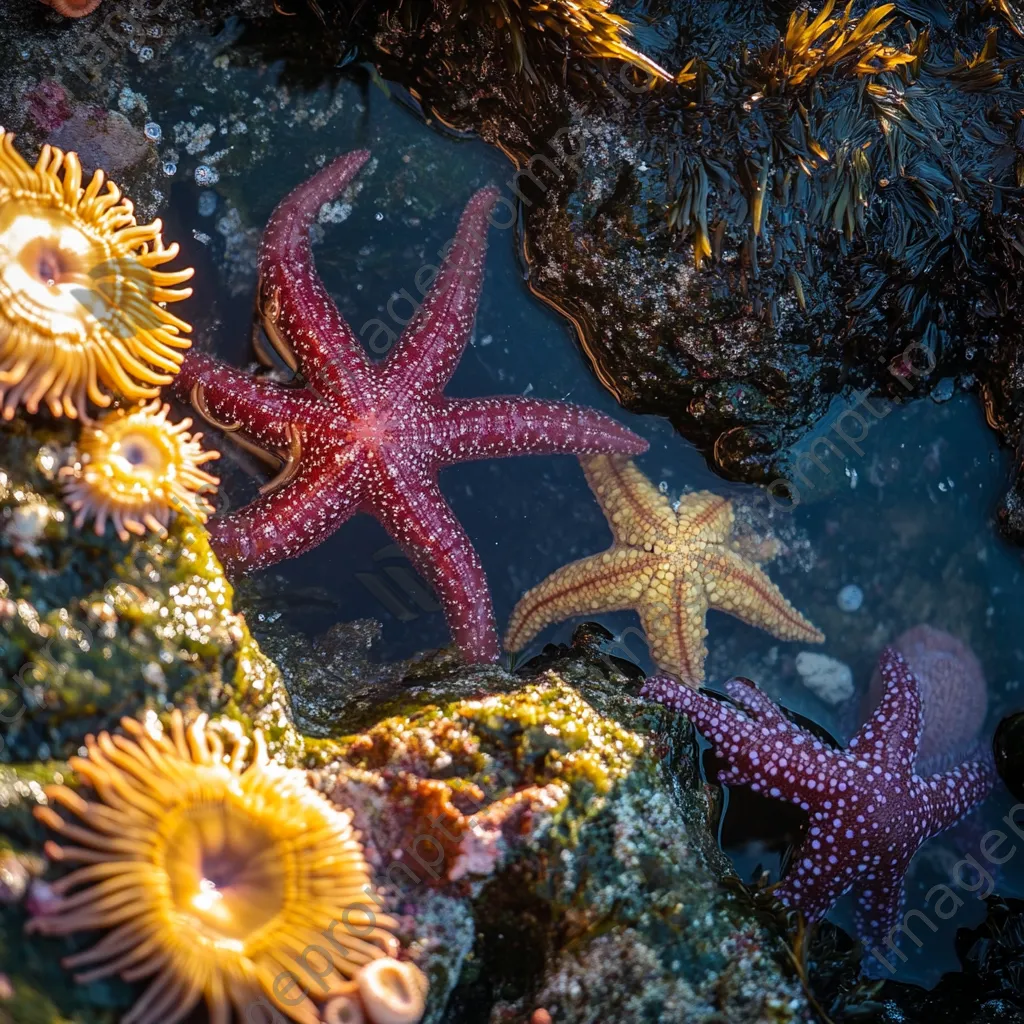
(170, 167)
(850, 598)
(153, 131)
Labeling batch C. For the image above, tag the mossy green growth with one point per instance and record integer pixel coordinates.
(542, 733)
(95, 628)
(551, 730)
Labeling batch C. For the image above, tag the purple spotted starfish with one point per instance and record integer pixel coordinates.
(357, 436)
(868, 812)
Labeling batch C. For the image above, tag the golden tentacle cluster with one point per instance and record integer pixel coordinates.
(82, 305)
(134, 467)
(83, 317)
(222, 877)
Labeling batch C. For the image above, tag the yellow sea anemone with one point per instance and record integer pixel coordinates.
(134, 467)
(238, 884)
(81, 303)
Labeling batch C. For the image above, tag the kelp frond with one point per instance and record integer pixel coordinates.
(978, 73)
(826, 43)
(588, 26)
(689, 213)
(847, 202)
(542, 33)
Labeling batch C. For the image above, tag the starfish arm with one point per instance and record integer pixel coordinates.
(764, 749)
(878, 912)
(744, 590)
(951, 796)
(292, 520)
(759, 705)
(485, 428)
(606, 582)
(672, 613)
(424, 358)
(293, 301)
(412, 509)
(637, 512)
(891, 737)
(814, 882)
(706, 516)
(232, 399)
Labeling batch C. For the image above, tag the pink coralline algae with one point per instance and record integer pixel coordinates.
(954, 696)
(358, 436)
(869, 812)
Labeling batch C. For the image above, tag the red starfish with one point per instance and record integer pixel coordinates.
(363, 437)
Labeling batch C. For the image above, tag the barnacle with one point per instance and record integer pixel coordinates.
(134, 468)
(811, 47)
(220, 880)
(81, 301)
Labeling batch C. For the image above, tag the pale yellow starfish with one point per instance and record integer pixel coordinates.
(669, 564)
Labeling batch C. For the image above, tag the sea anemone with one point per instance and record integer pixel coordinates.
(134, 467)
(386, 991)
(81, 303)
(237, 884)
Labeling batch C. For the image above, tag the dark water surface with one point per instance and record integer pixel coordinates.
(907, 518)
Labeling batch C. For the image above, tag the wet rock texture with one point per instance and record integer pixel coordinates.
(95, 628)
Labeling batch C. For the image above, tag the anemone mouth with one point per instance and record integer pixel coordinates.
(135, 468)
(50, 264)
(225, 871)
(211, 872)
(146, 458)
(83, 307)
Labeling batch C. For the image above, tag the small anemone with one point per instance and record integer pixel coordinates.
(134, 468)
(81, 303)
(387, 991)
(238, 884)
(392, 992)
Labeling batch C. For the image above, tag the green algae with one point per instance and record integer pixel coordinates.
(96, 628)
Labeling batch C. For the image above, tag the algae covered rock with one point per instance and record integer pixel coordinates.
(95, 628)
(554, 814)
(548, 811)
